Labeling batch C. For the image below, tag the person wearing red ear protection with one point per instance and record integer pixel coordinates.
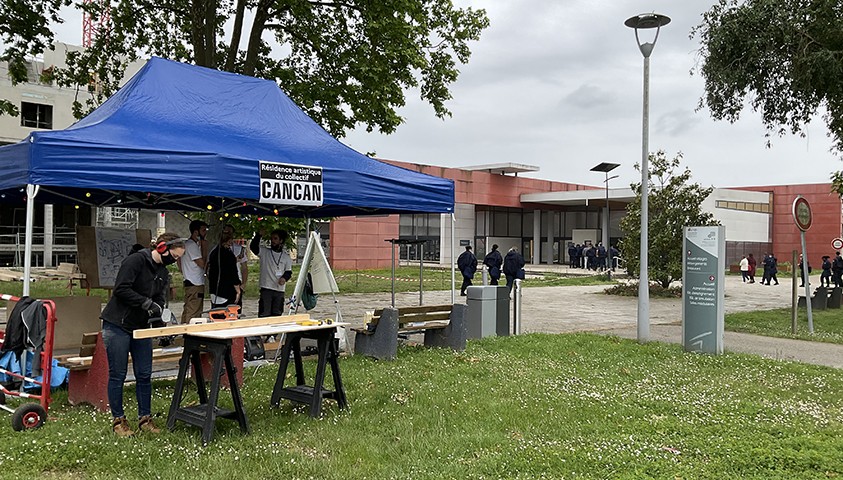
(137, 302)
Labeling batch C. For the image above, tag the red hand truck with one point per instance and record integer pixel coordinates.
(31, 415)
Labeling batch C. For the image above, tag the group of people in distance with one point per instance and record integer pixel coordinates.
(140, 294)
(593, 257)
(832, 270)
(512, 267)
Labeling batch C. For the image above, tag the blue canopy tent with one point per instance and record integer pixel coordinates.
(182, 137)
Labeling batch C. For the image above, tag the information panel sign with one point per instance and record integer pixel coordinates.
(703, 279)
(286, 184)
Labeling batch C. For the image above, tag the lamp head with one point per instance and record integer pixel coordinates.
(645, 21)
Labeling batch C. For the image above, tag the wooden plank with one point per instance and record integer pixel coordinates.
(84, 361)
(423, 317)
(86, 350)
(423, 326)
(223, 325)
(89, 338)
(424, 309)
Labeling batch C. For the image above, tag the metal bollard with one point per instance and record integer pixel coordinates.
(516, 307)
(485, 275)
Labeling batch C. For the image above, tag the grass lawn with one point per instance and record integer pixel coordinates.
(348, 281)
(533, 406)
(828, 324)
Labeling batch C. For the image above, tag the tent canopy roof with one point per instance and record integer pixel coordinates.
(182, 137)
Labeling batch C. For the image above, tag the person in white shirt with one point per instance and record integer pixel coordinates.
(276, 272)
(192, 266)
(745, 268)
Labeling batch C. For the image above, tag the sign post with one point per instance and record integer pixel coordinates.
(803, 218)
(703, 279)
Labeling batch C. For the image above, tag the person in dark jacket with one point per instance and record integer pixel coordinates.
(513, 267)
(467, 263)
(825, 277)
(837, 270)
(572, 255)
(137, 302)
(223, 273)
(494, 262)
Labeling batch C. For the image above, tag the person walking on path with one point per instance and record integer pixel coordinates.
(802, 277)
(137, 302)
(825, 277)
(837, 270)
(752, 265)
(467, 263)
(774, 270)
(513, 267)
(276, 271)
(192, 267)
(494, 262)
(744, 269)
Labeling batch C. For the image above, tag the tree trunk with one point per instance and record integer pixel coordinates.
(234, 47)
(197, 32)
(261, 17)
(210, 33)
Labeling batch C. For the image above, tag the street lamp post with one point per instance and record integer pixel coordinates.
(642, 22)
(607, 167)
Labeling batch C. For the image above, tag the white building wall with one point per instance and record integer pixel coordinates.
(464, 230)
(61, 99)
(741, 226)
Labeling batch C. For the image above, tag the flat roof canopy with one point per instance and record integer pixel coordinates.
(504, 168)
(580, 197)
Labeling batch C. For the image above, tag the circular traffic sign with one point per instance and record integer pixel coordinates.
(837, 244)
(802, 213)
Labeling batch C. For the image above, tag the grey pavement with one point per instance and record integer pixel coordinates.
(587, 309)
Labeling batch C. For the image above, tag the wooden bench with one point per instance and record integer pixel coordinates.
(442, 326)
(88, 379)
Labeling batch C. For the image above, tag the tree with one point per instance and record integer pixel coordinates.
(673, 203)
(25, 30)
(344, 62)
(785, 57)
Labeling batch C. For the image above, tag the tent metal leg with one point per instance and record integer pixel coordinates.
(31, 192)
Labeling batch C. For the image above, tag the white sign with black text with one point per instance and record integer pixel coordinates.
(286, 184)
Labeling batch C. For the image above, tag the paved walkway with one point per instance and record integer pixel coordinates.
(578, 309)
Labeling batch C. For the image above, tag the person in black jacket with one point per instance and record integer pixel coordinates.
(513, 267)
(137, 302)
(494, 262)
(467, 263)
(223, 279)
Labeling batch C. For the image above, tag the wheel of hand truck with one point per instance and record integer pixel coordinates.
(28, 416)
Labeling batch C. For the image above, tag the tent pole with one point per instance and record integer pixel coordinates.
(31, 192)
(453, 262)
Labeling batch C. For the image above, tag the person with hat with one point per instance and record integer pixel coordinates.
(467, 263)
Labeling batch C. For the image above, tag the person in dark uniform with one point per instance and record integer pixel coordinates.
(572, 255)
(467, 263)
(494, 262)
(513, 267)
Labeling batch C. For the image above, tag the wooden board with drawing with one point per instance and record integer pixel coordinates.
(102, 250)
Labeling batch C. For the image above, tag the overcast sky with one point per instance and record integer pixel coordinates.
(558, 85)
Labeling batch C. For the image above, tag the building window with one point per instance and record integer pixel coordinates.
(36, 115)
(744, 206)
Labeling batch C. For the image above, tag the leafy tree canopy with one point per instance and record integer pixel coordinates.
(785, 57)
(344, 62)
(673, 203)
